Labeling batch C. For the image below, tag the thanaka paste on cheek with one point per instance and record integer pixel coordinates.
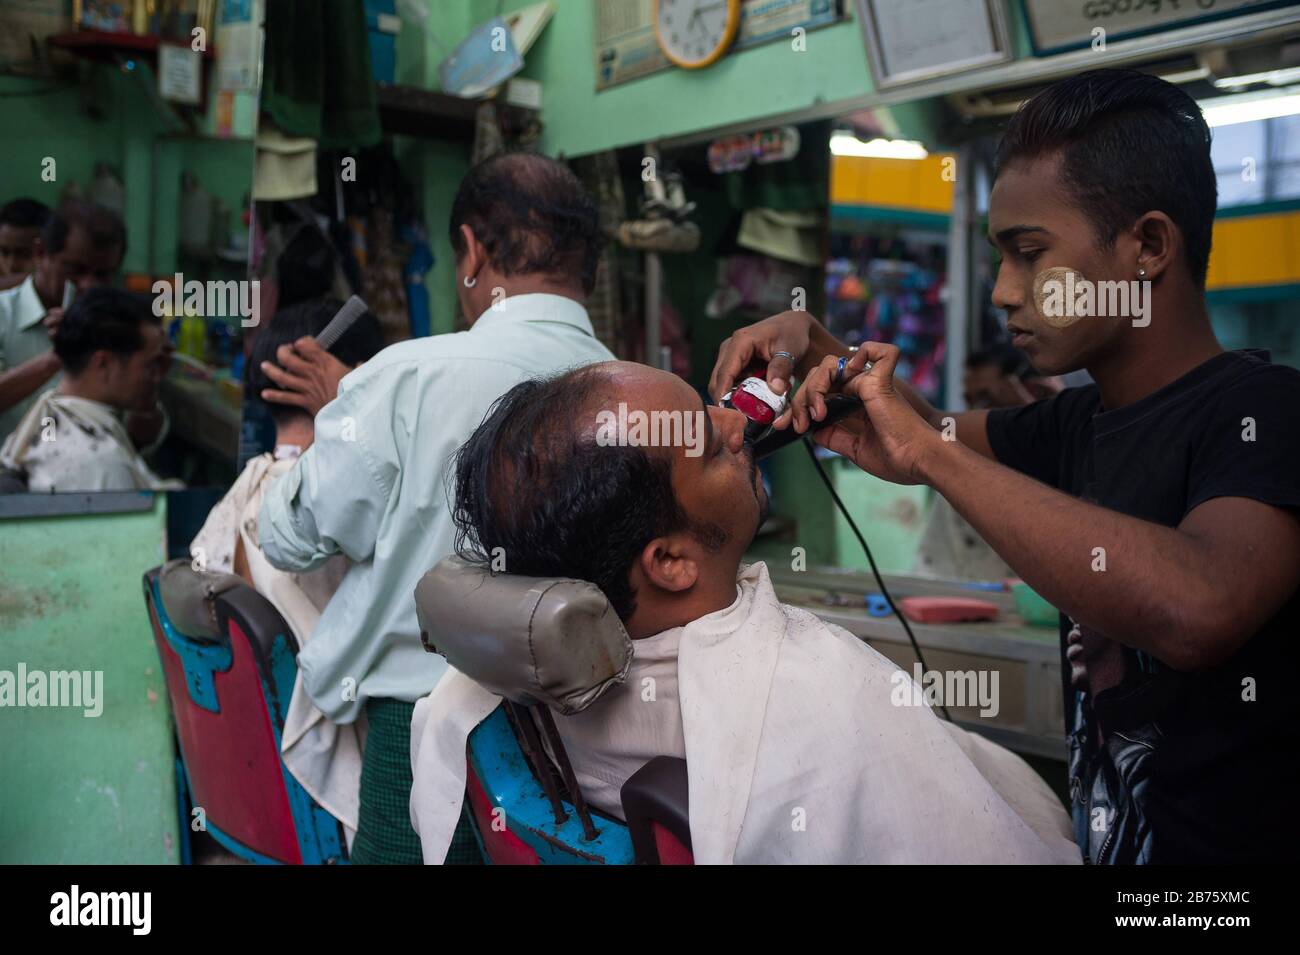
(1051, 286)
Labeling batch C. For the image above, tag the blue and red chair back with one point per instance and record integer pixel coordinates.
(230, 662)
(515, 822)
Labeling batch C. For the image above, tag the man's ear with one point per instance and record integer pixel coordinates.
(98, 362)
(669, 563)
(475, 254)
(103, 364)
(1158, 241)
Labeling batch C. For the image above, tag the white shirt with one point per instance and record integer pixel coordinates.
(22, 337)
(323, 756)
(373, 487)
(213, 548)
(796, 749)
(628, 726)
(66, 443)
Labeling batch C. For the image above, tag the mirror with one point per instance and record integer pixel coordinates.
(125, 246)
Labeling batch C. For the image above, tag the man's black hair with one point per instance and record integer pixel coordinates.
(305, 269)
(532, 481)
(1130, 143)
(102, 225)
(361, 342)
(24, 214)
(532, 215)
(101, 319)
(1005, 357)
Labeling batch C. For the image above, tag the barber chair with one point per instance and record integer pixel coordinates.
(545, 644)
(230, 662)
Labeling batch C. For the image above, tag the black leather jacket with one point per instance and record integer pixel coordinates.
(1107, 787)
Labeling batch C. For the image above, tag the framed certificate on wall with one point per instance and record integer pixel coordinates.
(913, 40)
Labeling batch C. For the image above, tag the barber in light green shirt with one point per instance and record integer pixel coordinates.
(374, 484)
(27, 359)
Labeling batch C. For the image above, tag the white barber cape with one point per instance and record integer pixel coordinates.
(794, 750)
(65, 443)
(324, 757)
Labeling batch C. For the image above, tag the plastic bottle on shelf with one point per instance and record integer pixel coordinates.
(194, 337)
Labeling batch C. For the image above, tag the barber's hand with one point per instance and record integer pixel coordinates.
(787, 332)
(889, 439)
(307, 375)
(51, 321)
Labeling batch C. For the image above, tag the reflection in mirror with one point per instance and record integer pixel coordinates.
(125, 204)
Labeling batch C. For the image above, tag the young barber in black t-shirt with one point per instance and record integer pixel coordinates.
(1158, 508)
(1203, 749)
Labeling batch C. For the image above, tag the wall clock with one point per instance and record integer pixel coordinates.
(695, 33)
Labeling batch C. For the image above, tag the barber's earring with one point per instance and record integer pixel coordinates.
(470, 282)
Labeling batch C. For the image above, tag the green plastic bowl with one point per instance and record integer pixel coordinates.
(1033, 609)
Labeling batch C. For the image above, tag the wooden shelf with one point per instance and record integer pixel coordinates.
(413, 111)
(103, 46)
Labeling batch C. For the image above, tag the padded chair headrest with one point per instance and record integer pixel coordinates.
(187, 596)
(534, 640)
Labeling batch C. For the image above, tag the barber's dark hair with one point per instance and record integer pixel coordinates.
(305, 269)
(24, 214)
(103, 225)
(532, 481)
(532, 214)
(101, 319)
(361, 342)
(1130, 143)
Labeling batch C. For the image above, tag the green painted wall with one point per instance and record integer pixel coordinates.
(109, 117)
(223, 166)
(78, 789)
(43, 119)
(436, 166)
(890, 516)
(744, 86)
(421, 48)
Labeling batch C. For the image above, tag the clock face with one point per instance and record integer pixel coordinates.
(695, 33)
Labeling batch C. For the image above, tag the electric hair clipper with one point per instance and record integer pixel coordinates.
(758, 403)
(762, 406)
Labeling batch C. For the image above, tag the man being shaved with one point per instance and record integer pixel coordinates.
(796, 748)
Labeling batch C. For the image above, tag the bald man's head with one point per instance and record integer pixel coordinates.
(533, 217)
(536, 485)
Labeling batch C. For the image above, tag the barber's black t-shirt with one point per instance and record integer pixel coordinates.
(1220, 780)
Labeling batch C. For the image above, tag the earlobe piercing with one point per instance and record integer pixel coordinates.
(470, 282)
(1142, 273)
